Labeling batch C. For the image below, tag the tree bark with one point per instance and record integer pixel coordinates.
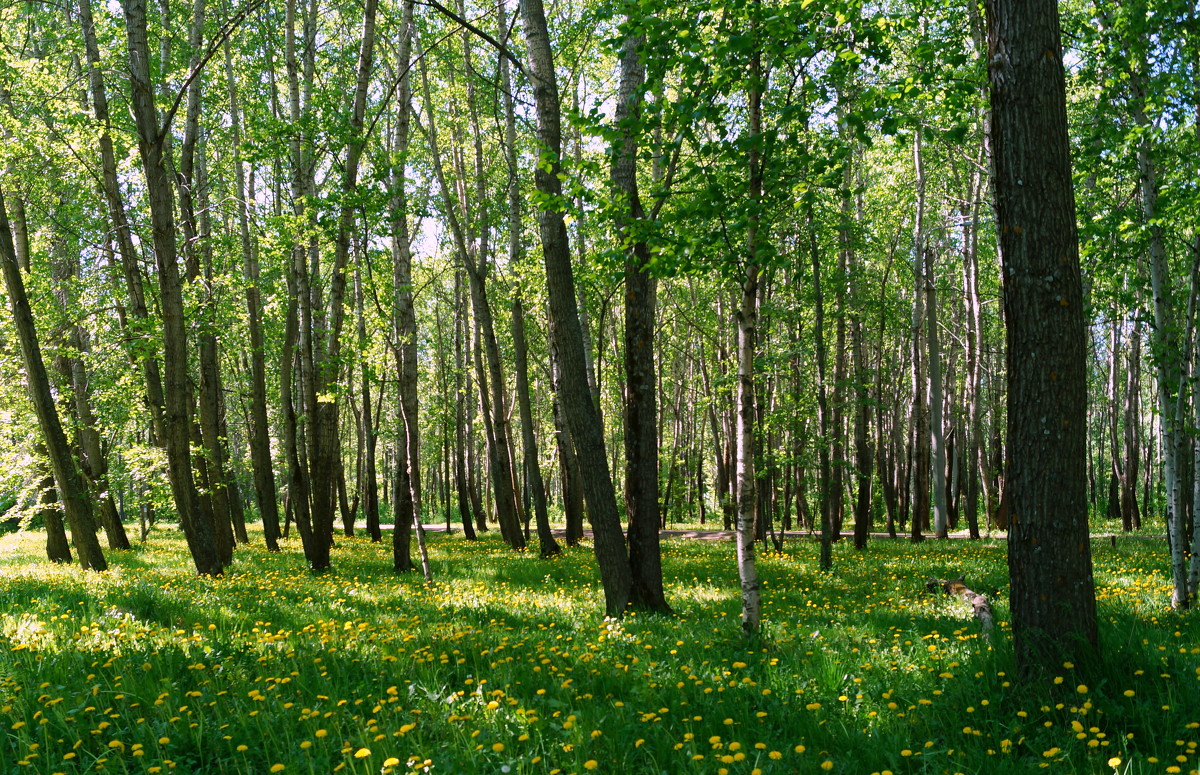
(76, 501)
(1052, 597)
(641, 410)
(565, 332)
(198, 530)
(260, 439)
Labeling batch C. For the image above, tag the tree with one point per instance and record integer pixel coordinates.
(76, 500)
(1052, 596)
(154, 153)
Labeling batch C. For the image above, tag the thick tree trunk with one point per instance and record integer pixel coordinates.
(1052, 597)
(218, 507)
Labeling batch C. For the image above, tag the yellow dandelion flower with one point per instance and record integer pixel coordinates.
(591, 764)
(827, 765)
(497, 747)
(277, 767)
(391, 761)
(362, 753)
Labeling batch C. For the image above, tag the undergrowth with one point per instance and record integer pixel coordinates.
(507, 665)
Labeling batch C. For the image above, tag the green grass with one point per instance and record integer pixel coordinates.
(506, 665)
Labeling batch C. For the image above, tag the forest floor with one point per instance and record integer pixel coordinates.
(506, 664)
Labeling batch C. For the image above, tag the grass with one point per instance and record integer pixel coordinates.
(506, 665)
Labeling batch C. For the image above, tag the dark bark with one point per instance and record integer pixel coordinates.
(566, 335)
(199, 531)
(533, 471)
(1052, 597)
(260, 439)
(120, 223)
(58, 548)
(640, 410)
(76, 500)
(369, 488)
(462, 482)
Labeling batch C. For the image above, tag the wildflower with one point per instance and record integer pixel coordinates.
(362, 753)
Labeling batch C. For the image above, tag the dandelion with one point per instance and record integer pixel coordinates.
(277, 767)
(362, 753)
(497, 747)
(827, 765)
(591, 764)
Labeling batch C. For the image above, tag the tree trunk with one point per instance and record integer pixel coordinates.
(200, 533)
(823, 418)
(466, 503)
(76, 501)
(640, 411)
(368, 474)
(58, 548)
(93, 463)
(1052, 597)
(260, 438)
(566, 335)
(120, 222)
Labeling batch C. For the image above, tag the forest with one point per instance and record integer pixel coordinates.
(312, 278)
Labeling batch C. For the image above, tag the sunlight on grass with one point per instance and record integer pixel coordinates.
(507, 665)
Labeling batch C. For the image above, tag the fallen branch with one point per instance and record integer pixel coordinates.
(979, 603)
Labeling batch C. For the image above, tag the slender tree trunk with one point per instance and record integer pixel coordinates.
(566, 335)
(199, 531)
(260, 438)
(641, 411)
(93, 462)
(549, 547)
(76, 501)
(823, 419)
(58, 548)
(467, 503)
(368, 473)
(747, 345)
(919, 426)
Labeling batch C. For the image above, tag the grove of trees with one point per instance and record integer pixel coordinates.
(629, 263)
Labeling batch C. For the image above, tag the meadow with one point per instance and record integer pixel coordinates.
(507, 665)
